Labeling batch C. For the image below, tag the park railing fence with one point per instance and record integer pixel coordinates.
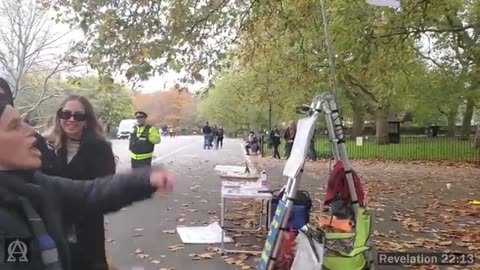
(411, 147)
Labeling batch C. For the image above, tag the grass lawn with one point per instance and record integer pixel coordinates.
(409, 148)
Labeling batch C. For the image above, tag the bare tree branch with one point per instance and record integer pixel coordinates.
(27, 41)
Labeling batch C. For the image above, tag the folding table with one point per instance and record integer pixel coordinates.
(241, 191)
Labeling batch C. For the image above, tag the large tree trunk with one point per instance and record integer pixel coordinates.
(358, 119)
(451, 117)
(467, 118)
(381, 117)
(476, 140)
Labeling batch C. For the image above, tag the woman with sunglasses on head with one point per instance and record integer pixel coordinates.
(83, 153)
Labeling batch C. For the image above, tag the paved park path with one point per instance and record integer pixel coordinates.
(144, 234)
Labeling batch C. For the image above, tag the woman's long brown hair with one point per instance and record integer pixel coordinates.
(56, 136)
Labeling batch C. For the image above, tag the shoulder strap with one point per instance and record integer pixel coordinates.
(146, 130)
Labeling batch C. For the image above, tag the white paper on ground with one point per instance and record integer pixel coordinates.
(210, 234)
(305, 128)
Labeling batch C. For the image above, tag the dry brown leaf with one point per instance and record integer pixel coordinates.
(203, 256)
(214, 249)
(176, 247)
(143, 256)
(445, 243)
(230, 260)
(244, 256)
(180, 219)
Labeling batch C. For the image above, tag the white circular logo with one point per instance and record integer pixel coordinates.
(17, 251)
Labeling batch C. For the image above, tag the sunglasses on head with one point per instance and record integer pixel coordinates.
(77, 116)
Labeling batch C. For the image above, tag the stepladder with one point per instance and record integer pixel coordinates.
(323, 103)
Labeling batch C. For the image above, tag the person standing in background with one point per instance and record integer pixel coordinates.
(289, 137)
(142, 142)
(214, 137)
(221, 132)
(275, 141)
(207, 134)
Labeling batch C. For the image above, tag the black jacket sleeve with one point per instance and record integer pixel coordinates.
(102, 195)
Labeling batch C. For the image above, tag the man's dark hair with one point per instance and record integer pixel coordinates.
(6, 88)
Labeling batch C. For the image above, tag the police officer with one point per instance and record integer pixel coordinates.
(142, 142)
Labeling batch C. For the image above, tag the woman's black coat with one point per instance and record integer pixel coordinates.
(93, 159)
(59, 201)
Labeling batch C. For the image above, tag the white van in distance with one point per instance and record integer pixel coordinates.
(125, 128)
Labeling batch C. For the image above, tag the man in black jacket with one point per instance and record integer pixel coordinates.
(207, 136)
(35, 208)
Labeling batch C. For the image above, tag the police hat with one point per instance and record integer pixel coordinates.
(140, 114)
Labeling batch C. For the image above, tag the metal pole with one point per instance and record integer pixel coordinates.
(269, 116)
(329, 48)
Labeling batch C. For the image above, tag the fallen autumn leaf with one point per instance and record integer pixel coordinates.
(176, 247)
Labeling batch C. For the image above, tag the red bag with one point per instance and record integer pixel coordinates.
(285, 258)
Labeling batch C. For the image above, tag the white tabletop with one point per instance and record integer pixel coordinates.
(232, 189)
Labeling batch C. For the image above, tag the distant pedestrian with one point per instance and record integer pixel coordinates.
(289, 137)
(214, 136)
(275, 141)
(221, 134)
(207, 135)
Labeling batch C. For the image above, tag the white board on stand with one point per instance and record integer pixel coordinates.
(294, 164)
